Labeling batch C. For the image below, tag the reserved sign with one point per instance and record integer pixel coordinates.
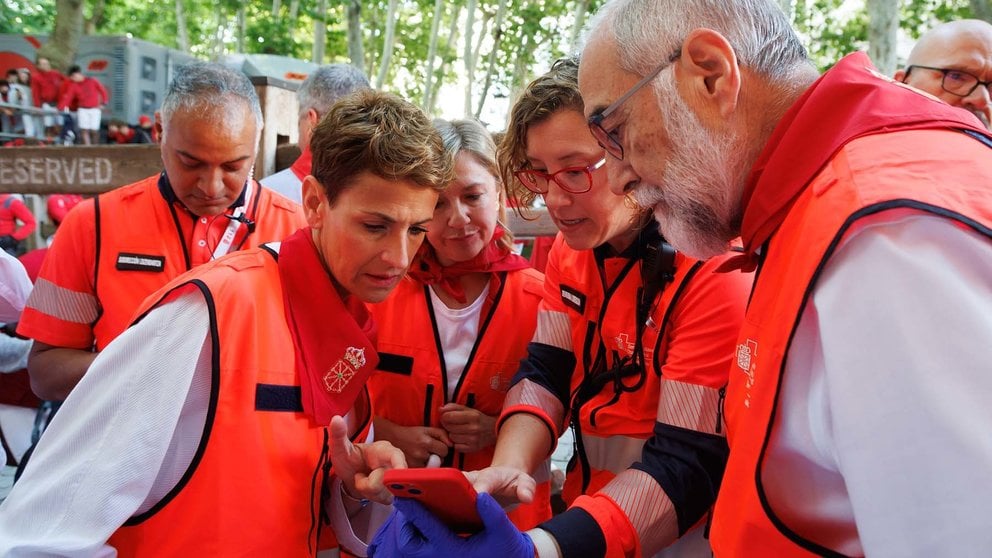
(75, 169)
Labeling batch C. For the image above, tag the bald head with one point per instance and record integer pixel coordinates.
(961, 46)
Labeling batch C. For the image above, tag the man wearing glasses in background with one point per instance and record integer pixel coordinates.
(953, 62)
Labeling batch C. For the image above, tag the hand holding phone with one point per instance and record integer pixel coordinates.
(444, 491)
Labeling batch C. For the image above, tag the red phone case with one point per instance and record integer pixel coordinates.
(444, 491)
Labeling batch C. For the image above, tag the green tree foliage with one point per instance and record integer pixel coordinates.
(533, 34)
(834, 28)
(26, 16)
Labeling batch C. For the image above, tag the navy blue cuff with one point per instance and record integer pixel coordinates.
(548, 367)
(577, 533)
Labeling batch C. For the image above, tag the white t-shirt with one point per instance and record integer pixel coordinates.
(286, 183)
(458, 329)
(15, 286)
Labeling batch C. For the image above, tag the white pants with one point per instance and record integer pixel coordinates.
(88, 118)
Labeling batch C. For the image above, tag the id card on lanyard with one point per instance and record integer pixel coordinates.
(237, 219)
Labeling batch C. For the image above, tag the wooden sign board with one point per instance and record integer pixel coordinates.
(537, 223)
(77, 169)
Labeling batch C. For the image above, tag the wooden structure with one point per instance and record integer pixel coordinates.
(93, 169)
(281, 112)
(75, 169)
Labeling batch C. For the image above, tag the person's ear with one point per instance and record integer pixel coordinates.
(313, 117)
(158, 123)
(314, 201)
(708, 71)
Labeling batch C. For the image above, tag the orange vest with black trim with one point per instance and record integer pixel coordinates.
(133, 262)
(254, 486)
(869, 176)
(411, 383)
(613, 428)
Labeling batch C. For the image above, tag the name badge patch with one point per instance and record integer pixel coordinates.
(573, 298)
(140, 262)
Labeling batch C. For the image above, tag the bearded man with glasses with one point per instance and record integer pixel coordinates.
(953, 62)
(852, 412)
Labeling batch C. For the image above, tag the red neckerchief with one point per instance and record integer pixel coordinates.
(493, 258)
(334, 338)
(301, 166)
(849, 101)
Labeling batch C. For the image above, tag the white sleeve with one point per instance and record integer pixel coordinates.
(121, 440)
(15, 286)
(905, 320)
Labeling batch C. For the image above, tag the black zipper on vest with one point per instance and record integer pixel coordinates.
(318, 491)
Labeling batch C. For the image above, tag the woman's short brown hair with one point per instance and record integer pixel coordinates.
(555, 91)
(376, 132)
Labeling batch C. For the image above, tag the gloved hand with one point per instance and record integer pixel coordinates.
(413, 532)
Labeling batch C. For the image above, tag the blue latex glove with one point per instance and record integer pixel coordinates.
(413, 532)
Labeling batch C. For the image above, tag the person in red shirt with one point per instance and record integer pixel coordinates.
(46, 84)
(60, 204)
(145, 125)
(12, 211)
(119, 132)
(91, 95)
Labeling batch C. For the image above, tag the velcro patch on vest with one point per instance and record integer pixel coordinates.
(140, 262)
(397, 364)
(271, 397)
(573, 298)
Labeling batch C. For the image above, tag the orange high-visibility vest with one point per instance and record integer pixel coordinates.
(869, 176)
(254, 487)
(411, 383)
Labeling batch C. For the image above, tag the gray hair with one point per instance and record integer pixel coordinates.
(327, 84)
(207, 86)
(648, 32)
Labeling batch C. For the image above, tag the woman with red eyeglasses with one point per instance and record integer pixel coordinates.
(632, 350)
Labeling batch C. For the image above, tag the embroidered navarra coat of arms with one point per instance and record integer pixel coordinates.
(344, 370)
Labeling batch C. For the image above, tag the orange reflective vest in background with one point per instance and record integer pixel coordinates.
(113, 251)
(869, 176)
(254, 487)
(411, 383)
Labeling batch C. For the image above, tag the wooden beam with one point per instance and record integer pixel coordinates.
(538, 223)
(75, 169)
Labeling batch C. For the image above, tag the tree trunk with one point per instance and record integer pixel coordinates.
(981, 9)
(182, 32)
(432, 53)
(452, 40)
(491, 66)
(469, 55)
(242, 28)
(61, 47)
(319, 32)
(218, 47)
(387, 44)
(519, 71)
(355, 49)
(883, 28)
(294, 11)
(276, 6)
(95, 20)
(581, 8)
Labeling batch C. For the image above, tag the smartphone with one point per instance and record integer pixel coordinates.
(444, 491)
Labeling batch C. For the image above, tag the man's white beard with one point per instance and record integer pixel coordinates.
(697, 203)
